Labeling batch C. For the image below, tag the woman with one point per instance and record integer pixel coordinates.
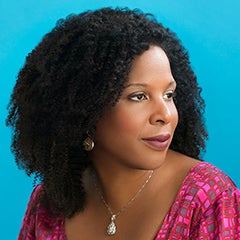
(107, 113)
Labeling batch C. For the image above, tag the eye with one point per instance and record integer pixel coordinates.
(169, 95)
(138, 97)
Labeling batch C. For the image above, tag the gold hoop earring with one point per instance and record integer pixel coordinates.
(88, 144)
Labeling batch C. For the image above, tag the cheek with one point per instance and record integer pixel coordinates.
(119, 122)
(124, 120)
(174, 117)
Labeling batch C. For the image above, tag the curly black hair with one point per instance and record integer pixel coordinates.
(76, 71)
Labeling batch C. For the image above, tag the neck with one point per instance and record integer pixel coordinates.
(118, 187)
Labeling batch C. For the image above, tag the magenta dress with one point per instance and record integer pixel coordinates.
(207, 207)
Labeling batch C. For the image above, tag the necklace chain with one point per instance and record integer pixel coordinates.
(112, 228)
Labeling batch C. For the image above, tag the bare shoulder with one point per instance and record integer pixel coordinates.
(179, 166)
(172, 173)
(180, 162)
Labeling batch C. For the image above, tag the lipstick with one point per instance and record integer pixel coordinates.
(159, 142)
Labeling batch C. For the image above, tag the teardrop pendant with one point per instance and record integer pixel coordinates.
(112, 228)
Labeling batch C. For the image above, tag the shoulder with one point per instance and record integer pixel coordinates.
(39, 221)
(38, 207)
(207, 185)
(37, 193)
(29, 221)
(215, 202)
(208, 174)
(35, 200)
(207, 205)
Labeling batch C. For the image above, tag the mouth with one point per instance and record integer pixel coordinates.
(159, 142)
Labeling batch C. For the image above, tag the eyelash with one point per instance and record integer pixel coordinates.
(138, 97)
(172, 94)
(142, 96)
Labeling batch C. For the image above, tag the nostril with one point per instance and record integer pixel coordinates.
(160, 121)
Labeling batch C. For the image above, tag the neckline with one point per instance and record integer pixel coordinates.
(176, 200)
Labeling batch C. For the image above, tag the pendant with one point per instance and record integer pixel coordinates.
(112, 228)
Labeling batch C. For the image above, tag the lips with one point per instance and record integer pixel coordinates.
(159, 142)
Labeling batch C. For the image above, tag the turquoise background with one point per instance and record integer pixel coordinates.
(208, 29)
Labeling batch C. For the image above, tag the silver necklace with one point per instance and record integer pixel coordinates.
(112, 228)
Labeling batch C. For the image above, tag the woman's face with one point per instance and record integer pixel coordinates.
(138, 130)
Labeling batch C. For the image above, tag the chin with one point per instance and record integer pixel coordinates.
(151, 163)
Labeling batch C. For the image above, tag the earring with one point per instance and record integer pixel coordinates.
(88, 144)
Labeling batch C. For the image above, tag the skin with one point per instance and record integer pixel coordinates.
(145, 109)
(123, 159)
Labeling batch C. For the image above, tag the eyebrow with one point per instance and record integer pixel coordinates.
(145, 85)
(136, 85)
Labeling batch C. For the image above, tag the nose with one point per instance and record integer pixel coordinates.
(161, 112)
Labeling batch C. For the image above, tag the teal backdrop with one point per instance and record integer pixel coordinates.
(208, 29)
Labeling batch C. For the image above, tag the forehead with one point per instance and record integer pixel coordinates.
(151, 64)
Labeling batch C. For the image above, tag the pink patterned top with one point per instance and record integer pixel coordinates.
(206, 207)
